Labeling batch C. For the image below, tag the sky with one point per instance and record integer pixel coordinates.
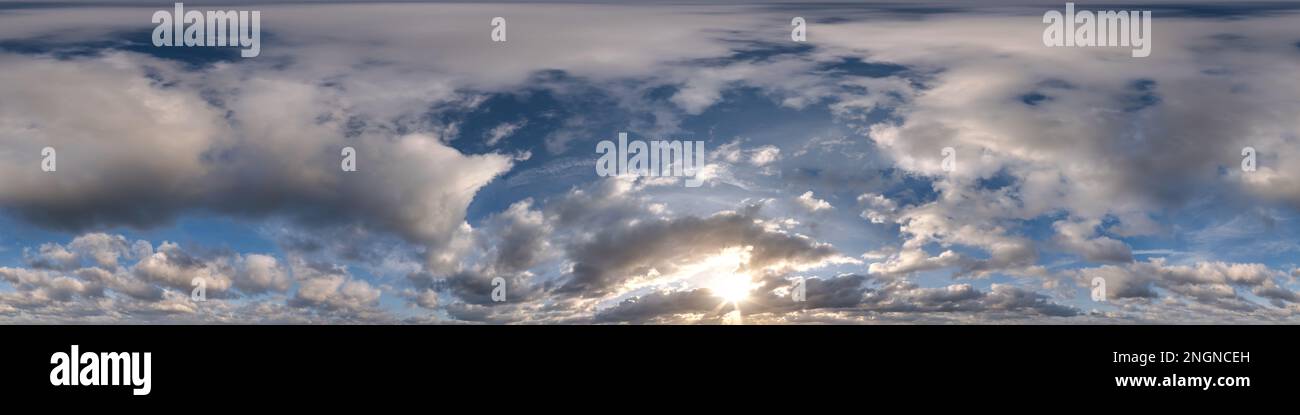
(907, 163)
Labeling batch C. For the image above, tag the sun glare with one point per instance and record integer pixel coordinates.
(732, 288)
(726, 277)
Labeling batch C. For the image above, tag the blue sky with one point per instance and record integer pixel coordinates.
(476, 163)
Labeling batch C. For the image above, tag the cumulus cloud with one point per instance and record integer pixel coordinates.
(879, 209)
(1121, 162)
(159, 282)
(277, 153)
(1218, 284)
(331, 288)
(964, 218)
(1078, 237)
(761, 156)
(812, 203)
(170, 266)
(258, 273)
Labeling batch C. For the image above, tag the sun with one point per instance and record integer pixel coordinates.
(731, 288)
(726, 276)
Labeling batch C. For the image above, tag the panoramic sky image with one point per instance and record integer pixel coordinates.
(891, 162)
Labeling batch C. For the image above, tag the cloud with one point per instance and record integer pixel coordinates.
(1078, 237)
(159, 284)
(170, 266)
(1063, 157)
(174, 152)
(1211, 283)
(46, 285)
(845, 296)
(1153, 147)
(762, 156)
(765, 155)
(658, 305)
(613, 256)
(502, 131)
(331, 289)
(511, 243)
(257, 273)
(879, 209)
(520, 237)
(811, 203)
(52, 256)
(963, 298)
(961, 217)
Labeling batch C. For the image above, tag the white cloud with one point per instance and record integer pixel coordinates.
(501, 131)
(811, 203)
